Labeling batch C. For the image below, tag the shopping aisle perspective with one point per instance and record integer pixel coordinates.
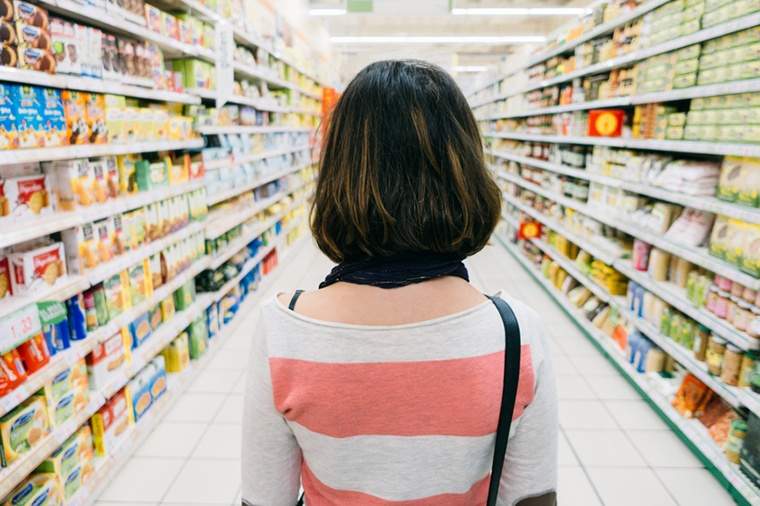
(609, 439)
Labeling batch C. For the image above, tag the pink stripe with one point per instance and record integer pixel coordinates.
(319, 494)
(458, 397)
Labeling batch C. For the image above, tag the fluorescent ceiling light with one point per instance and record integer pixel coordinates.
(520, 11)
(438, 39)
(469, 68)
(327, 12)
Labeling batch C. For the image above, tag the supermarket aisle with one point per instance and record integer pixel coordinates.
(613, 449)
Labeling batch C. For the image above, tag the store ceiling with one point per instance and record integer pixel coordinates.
(433, 17)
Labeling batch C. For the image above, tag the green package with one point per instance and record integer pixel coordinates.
(198, 338)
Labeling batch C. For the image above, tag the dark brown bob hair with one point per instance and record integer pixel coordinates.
(402, 168)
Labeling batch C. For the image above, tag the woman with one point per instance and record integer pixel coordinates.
(383, 387)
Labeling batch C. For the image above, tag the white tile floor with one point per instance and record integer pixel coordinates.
(614, 450)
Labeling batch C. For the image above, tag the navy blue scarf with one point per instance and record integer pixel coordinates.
(397, 270)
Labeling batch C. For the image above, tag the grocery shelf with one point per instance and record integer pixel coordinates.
(24, 229)
(93, 85)
(61, 361)
(710, 90)
(696, 147)
(259, 103)
(79, 349)
(19, 469)
(118, 264)
(261, 181)
(108, 467)
(585, 37)
(64, 287)
(230, 218)
(248, 267)
(93, 150)
(676, 297)
(269, 154)
(608, 257)
(690, 431)
(242, 129)
(704, 203)
(702, 35)
(102, 18)
(698, 256)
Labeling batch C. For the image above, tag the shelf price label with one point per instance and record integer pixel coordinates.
(19, 326)
(225, 71)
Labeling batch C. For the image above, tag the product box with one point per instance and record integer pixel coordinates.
(177, 354)
(71, 402)
(154, 315)
(140, 330)
(30, 14)
(167, 309)
(75, 107)
(65, 47)
(23, 427)
(28, 112)
(53, 119)
(37, 268)
(117, 294)
(72, 181)
(26, 196)
(111, 423)
(8, 127)
(147, 387)
(95, 110)
(139, 283)
(34, 353)
(12, 374)
(151, 175)
(606, 123)
(104, 237)
(55, 326)
(197, 334)
(184, 295)
(43, 489)
(5, 278)
(73, 378)
(107, 359)
(82, 247)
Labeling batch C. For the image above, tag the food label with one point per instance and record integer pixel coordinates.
(19, 326)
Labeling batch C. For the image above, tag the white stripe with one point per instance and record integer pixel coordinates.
(394, 467)
(302, 338)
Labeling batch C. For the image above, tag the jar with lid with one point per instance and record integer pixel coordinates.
(723, 283)
(715, 351)
(732, 363)
(731, 307)
(749, 295)
(737, 290)
(749, 360)
(712, 298)
(753, 328)
(701, 340)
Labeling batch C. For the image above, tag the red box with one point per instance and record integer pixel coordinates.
(606, 122)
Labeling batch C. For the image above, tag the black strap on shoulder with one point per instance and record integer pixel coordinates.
(508, 395)
(292, 305)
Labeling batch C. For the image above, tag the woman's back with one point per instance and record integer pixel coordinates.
(381, 412)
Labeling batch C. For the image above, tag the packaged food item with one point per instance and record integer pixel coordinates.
(184, 296)
(154, 315)
(26, 196)
(65, 46)
(735, 441)
(197, 334)
(111, 423)
(37, 268)
(30, 14)
(55, 326)
(82, 247)
(41, 60)
(107, 358)
(73, 182)
(75, 107)
(151, 175)
(43, 489)
(23, 427)
(34, 353)
(95, 112)
(8, 127)
(177, 354)
(12, 372)
(140, 330)
(126, 165)
(715, 353)
(139, 283)
(104, 237)
(116, 292)
(731, 366)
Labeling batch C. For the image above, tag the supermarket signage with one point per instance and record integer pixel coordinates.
(225, 71)
(18, 327)
(529, 230)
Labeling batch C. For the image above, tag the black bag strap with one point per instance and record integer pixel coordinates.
(292, 305)
(508, 395)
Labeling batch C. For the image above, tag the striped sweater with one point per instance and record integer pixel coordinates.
(401, 415)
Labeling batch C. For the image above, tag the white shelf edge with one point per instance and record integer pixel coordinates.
(699, 257)
(240, 129)
(93, 150)
(711, 204)
(234, 192)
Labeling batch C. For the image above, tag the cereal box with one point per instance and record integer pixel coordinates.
(32, 270)
(95, 107)
(23, 428)
(73, 183)
(53, 117)
(116, 294)
(8, 132)
(28, 112)
(100, 179)
(65, 47)
(140, 330)
(126, 165)
(26, 196)
(75, 107)
(82, 247)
